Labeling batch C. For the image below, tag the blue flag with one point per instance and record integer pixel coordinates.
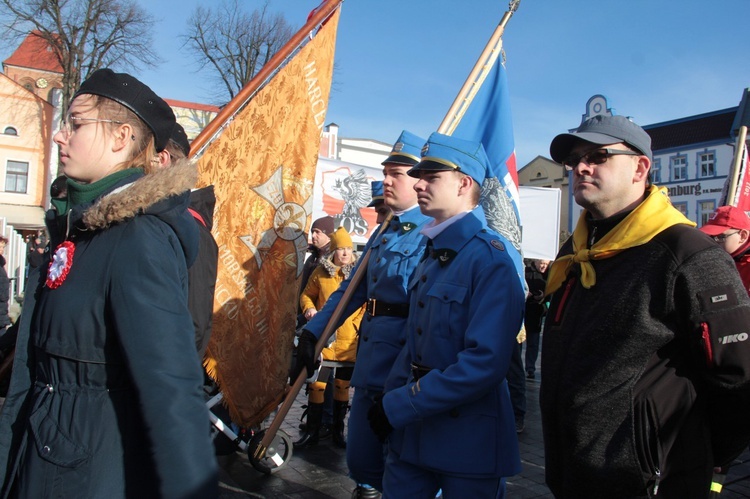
(488, 119)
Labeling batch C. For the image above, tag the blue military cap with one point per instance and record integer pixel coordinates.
(406, 150)
(377, 193)
(446, 153)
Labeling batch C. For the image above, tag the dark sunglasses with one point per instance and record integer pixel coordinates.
(595, 157)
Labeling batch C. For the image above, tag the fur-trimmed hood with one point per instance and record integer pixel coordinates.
(141, 196)
(332, 268)
(163, 194)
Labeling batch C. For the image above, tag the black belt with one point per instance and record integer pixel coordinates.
(378, 307)
(418, 371)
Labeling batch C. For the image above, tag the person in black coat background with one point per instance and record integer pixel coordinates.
(536, 308)
(202, 274)
(4, 289)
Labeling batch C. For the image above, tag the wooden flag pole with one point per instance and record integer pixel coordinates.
(739, 151)
(460, 104)
(476, 77)
(260, 451)
(215, 126)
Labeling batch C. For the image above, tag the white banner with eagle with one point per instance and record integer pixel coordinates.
(342, 190)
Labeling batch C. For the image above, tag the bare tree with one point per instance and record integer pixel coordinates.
(235, 44)
(85, 35)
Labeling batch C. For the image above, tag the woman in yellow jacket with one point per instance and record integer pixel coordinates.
(324, 280)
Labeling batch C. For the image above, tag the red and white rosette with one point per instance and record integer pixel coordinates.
(60, 264)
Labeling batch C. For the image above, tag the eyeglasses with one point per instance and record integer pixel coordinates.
(72, 123)
(723, 237)
(595, 157)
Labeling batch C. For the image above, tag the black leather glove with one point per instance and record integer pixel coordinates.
(379, 419)
(305, 355)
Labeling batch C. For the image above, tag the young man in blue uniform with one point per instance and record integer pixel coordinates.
(395, 254)
(378, 201)
(451, 423)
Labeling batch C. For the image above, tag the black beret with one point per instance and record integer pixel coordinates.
(136, 96)
(180, 138)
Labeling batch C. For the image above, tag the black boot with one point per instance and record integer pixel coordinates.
(339, 413)
(311, 435)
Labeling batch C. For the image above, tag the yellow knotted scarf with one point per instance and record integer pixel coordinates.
(651, 217)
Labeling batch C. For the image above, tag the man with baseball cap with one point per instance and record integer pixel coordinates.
(645, 384)
(448, 415)
(730, 228)
(394, 254)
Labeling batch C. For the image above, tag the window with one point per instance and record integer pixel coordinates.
(707, 164)
(9, 130)
(656, 171)
(681, 207)
(705, 210)
(16, 176)
(679, 167)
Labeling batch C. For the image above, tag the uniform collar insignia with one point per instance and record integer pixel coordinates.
(407, 226)
(444, 256)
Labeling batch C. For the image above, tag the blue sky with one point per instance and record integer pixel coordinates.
(400, 63)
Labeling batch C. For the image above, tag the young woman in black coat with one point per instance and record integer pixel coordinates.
(105, 398)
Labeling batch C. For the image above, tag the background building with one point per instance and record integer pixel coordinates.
(365, 152)
(692, 159)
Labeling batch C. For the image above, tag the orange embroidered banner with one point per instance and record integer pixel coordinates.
(262, 168)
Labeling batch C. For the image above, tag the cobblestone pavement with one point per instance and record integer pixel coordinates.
(320, 472)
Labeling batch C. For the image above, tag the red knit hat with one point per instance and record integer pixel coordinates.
(726, 217)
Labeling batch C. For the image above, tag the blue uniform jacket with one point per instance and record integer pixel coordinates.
(395, 255)
(466, 308)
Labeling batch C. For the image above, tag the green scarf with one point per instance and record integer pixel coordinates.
(85, 193)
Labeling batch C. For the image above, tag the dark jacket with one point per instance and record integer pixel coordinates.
(202, 274)
(535, 307)
(4, 295)
(36, 258)
(105, 398)
(643, 378)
